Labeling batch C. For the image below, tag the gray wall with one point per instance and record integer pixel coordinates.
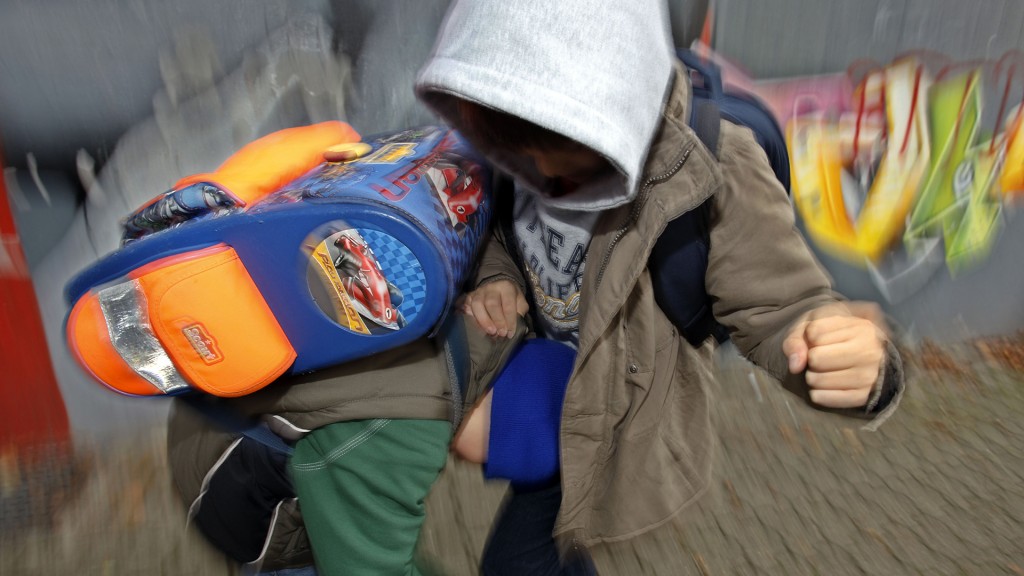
(774, 38)
(77, 73)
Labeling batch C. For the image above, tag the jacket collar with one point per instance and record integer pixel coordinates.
(625, 236)
(672, 141)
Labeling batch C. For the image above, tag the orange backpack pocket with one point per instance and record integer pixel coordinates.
(192, 320)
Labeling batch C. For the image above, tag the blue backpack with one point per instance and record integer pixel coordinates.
(683, 246)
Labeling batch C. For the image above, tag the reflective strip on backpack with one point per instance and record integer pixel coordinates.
(126, 313)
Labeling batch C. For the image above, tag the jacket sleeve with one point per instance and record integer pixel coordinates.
(496, 262)
(487, 356)
(761, 275)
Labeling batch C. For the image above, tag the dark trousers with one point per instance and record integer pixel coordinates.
(521, 543)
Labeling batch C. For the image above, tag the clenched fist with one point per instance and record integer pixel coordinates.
(842, 352)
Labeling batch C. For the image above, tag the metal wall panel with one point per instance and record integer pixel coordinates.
(797, 37)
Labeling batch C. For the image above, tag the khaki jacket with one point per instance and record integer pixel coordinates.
(635, 437)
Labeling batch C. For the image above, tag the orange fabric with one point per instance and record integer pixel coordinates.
(265, 165)
(707, 32)
(213, 322)
(89, 341)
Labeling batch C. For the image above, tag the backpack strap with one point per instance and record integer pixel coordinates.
(705, 107)
(679, 259)
(231, 420)
(678, 265)
(682, 250)
(737, 106)
(706, 122)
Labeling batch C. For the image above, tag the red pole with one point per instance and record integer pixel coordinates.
(33, 420)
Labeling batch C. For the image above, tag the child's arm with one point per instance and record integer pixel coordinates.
(778, 302)
(495, 307)
(520, 442)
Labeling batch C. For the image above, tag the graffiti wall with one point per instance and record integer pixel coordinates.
(912, 169)
(906, 177)
(825, 51)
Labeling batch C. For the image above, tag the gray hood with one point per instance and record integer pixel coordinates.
(594, 71)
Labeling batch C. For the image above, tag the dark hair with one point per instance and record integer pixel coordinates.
(495, 129)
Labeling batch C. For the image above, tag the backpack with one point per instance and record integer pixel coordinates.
(283, 261)
(683, 246)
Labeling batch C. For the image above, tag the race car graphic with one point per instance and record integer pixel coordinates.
(460, 192)
(370, 293)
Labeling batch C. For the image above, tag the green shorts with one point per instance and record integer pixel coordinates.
(361, 488)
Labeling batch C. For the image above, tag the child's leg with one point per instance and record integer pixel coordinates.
(470, 442)
(513, 430)
(521, 541)
(361, 487)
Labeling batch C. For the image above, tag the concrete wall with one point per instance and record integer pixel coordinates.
(79, 73)
(797, 37)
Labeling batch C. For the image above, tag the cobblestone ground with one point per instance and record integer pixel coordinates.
(937, 490)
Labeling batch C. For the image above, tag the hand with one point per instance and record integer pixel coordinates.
(841, 351)
(495, 306)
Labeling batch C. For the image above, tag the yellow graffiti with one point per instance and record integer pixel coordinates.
(911, 165)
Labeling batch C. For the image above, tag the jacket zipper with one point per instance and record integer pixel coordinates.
(645, 190)
(634, 213)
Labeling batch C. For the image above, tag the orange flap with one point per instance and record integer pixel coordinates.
(265, 165)
(213, 322)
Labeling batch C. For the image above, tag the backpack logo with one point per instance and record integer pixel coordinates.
(204, 344)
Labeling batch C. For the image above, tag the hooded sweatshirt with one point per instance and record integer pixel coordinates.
(596, 72)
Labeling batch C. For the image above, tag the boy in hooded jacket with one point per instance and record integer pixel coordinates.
(585, 107)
